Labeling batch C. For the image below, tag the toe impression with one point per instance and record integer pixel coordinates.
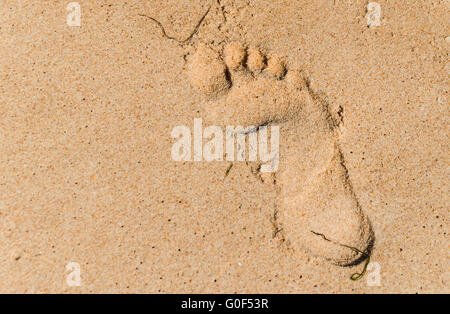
(235, 54)
(207, 72)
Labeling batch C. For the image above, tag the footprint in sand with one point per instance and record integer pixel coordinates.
(317, 210)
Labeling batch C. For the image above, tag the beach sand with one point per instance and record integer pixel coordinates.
(87, 178)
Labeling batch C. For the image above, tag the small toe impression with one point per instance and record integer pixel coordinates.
(207, 72)
(255, 60)
(234, 54)
(276, 67)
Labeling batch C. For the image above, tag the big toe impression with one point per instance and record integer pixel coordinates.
(207, 72)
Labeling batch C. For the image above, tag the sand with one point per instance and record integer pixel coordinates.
(91, 199)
